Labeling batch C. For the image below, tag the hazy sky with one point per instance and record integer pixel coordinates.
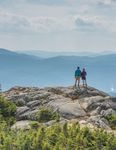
(56, 25)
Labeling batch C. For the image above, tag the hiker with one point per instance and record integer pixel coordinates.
(77, 76)
(83, 76)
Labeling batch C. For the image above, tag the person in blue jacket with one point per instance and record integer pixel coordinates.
(77, 76)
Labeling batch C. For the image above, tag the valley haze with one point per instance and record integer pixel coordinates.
(56, 69)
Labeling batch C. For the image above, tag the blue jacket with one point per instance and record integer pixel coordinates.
(78, 73)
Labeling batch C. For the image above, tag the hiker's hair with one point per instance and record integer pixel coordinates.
(78, 67)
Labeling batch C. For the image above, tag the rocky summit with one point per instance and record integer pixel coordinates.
(88, 106)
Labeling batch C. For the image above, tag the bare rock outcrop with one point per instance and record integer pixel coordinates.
(85, 104)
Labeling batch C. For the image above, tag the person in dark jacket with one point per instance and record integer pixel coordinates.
(83, 76)
(77, 76)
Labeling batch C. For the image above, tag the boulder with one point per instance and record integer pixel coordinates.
(25, 125)
(50, 123)
(107, 112)
(67, 108)
(90, 103)
(29, 115)
(99, 122)
(33, 103)
(55, 90)
(22, 110)
(42, 95)
(71, 110)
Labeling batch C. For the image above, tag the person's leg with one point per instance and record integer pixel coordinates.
(85, 83)
(78, 81)
(75, 82)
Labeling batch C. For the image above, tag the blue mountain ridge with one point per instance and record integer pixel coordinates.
(27, 70)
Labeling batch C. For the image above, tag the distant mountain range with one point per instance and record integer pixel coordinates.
(49, 54)
(113, 94)
(27, 70)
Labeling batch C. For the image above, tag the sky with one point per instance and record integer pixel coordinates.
(58, 25)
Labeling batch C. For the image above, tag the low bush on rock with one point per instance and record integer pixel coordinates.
(34, 124)
(20, 103)
(46, 114)
(112, 120)
(7, 111)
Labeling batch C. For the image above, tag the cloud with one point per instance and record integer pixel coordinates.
(54, 2)
(22, 24)
(95, 24)
(84, 25)
(25, 22)
(47, 2)
(13, 23)
(106, 4)
(91, 21)
(41, 2)
(10, 2)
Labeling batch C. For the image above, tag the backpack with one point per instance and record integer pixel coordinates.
(78, 73)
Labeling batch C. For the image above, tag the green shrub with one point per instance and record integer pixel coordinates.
(56, 137)
(46, 114)
(112, 120)
(20, 103)
(34, 124)
(7, 110)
